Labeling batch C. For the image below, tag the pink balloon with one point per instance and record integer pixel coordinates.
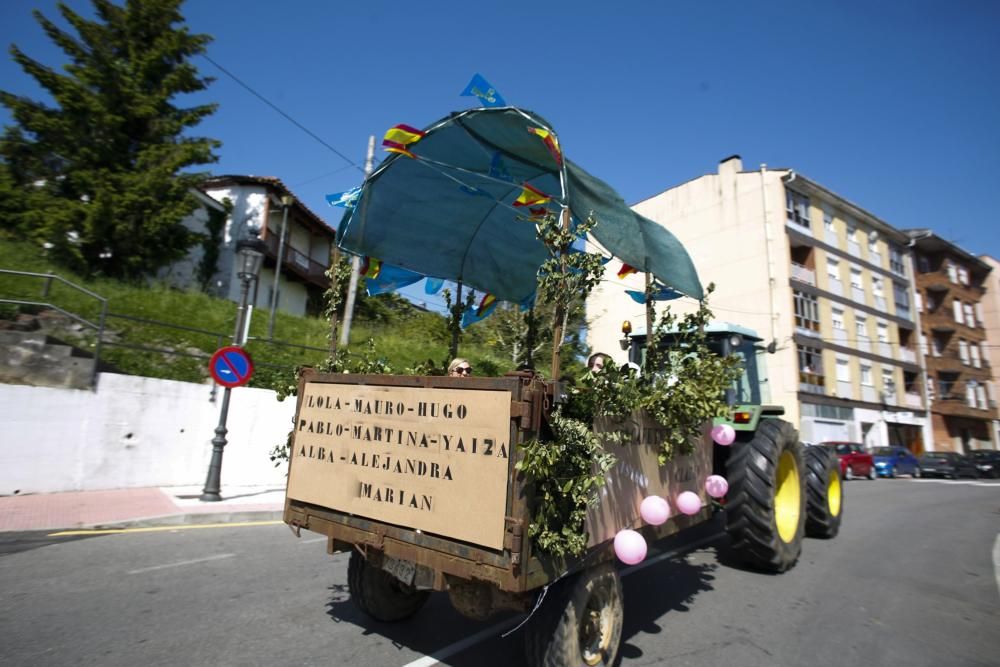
(630, 547)
(654, 510)
(723, 434)
(716, 486)
(688, 502)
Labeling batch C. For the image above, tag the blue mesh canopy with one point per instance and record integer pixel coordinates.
(449, 211)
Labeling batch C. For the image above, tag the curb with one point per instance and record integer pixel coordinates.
(166, 520)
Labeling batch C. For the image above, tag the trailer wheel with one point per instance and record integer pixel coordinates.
(766, 502)
(379, 594)
(824, 493)
(579, 622)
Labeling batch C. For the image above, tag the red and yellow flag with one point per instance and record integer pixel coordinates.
(531, 197)
(371, 267)
(550, 142)
(399, 137)
(626, 270)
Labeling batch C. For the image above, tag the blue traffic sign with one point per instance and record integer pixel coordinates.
(231, 366)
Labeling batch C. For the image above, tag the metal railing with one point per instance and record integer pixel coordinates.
(101, 330)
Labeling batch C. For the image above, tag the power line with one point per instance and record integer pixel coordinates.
(282, 113)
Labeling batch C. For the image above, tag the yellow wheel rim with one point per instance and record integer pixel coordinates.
(788, 499)
(833, 497)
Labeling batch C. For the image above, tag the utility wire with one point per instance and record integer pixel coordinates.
(282, 113)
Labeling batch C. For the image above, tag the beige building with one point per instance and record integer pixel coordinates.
(826, 280)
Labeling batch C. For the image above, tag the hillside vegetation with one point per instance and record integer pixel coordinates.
(386, 327)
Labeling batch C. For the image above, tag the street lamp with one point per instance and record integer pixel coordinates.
(249, 255)
(286, 203)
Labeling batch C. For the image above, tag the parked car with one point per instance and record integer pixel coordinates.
(854, 460)
(892, 461)
(987, 462)
(950, 465)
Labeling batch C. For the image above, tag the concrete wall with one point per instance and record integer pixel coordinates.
(134, 432)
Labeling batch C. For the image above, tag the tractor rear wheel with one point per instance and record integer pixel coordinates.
(379, 594)
(765, 505)
(824, 493)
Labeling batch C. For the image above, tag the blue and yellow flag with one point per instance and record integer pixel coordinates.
(487, 94)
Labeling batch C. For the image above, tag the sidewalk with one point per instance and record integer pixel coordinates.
(133, 508)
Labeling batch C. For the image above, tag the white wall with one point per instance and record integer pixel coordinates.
(135, 432)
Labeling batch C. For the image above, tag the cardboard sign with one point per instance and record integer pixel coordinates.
(426, 458)
(637, 474)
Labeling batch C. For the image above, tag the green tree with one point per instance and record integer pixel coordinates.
(98, 175)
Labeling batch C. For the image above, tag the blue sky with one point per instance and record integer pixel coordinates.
(894, 106)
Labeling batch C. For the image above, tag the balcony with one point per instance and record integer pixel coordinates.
(297, 262)
(906, 354)
(911, 400)
(811, 383)
(903, 312)
(803, 275)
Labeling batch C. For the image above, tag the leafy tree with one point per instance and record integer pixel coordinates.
(98, 176)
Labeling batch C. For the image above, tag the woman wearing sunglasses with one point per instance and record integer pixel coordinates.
(459, 367)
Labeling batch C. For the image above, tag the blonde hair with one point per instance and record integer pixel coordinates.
(455, 363)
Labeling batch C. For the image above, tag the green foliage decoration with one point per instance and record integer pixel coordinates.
(216, 222)
(566, 475)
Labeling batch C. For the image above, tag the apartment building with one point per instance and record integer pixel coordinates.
(991, 318)
(951, 285)
(826, 280)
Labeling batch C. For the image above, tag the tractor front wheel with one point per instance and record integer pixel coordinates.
(824, 493)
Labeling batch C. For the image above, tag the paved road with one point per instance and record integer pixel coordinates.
(911, 580)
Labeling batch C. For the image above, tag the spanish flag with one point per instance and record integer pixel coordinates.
(550, 142)
(531, 197)
(626, 270)
(371, 267)
(399, 137)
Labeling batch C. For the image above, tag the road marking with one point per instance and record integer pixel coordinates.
(499, 628)
(180, 563)
(924, 480)
(160, 529)
(996, 561)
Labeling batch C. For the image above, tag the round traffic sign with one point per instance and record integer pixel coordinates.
(231, 366)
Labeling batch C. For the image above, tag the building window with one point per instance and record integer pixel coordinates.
(930, 388)
(856, 278)
(923, 264)
(866, 375)
(946, 384)
(970, 393)
(888, 382)
(981, 397)
(956, 308)
(896, 261)
(970, 318)
(963, 352)
(883, 332)
(828, 221)
(860, 325)
(878, 286)
(797, 208)
(833, 268)
(952, 273)
(974, 355)
(837, 315)
(963, 275)
(810, 369)
(843, 370)
(806, 311)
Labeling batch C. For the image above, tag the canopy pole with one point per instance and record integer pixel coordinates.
(456, 313)
(649, 311)
(334, 294)
(560, 314)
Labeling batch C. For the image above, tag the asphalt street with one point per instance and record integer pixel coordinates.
(911, 580)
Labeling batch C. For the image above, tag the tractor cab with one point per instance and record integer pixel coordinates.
(725, 339)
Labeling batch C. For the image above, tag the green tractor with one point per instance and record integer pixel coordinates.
(778, 488)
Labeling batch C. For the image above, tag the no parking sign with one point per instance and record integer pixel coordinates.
(231, 366)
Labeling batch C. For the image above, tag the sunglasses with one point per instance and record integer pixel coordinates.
(464, 370)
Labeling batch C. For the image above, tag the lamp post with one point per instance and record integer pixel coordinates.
(249, 254)
(286, 203)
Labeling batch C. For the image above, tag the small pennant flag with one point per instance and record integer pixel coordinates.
(531, 197)
(487, 94)
(661, 294)
(389, 279)
(626, 270)
(550, 142)
(371, 267)
(433, 285)
(346, 200)
(485, 308)
(398, 138)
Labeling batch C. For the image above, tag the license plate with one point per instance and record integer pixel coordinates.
(403, 570)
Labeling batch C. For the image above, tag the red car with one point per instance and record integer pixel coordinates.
(854, 460)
